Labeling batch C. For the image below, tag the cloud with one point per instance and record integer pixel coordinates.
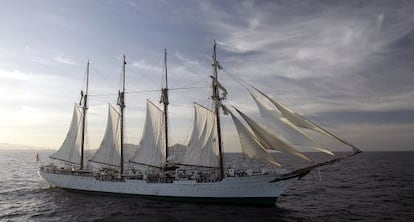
(380, 21)
(14, 75)
(59, 21)
(335, 60)
(22, 91)
(338, 62)
(145, 66)
(380, 137)
(65, 60)
(373, 117)
(319, 51)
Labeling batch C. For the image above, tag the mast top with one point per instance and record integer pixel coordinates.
(165, 68)
(87, 76)
(123, 74)
(121, 93)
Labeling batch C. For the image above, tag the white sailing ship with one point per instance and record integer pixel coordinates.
(200, 175)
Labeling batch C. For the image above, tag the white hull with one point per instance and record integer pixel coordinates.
(254, 189)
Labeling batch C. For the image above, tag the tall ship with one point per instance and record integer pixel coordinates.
(200, 175)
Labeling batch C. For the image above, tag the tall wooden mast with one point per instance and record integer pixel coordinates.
(216, 98)
(84, 108)
(164, 100)
(121, 103)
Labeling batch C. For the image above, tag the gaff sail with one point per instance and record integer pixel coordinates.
(109, 150)
(70, 149)
(202, 148)
(151, 150)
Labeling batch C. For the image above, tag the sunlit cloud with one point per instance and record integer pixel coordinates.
(14, 75)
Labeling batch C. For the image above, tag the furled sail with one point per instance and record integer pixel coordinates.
(202, 149)
(250, 144)
(269, 140)
(284, 125)
(109, 151)
(70, 149)
(151, 151)
(301, 121)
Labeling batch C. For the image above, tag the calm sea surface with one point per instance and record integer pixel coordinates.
(372, 186)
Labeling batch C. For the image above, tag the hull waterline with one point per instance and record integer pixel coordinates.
(256, 190)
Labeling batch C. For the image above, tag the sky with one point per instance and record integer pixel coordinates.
(347, 65)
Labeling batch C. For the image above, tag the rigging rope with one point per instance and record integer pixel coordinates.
(193, 87)
(149, 91)
(237, 79)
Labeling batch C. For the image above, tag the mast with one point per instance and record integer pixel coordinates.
(121, 103)
(84, 108)
(216, 98)
(164, 100)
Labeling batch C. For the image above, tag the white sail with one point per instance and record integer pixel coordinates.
(151, 149)
(70, 149)
(250, 145)
(271, 141)
(284, 125)
(273, 120)
(109, 151)
(301, 121)
(202, 149)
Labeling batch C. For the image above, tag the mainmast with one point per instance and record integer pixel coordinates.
(216, 98)
(121, 104)
(164, 100)
(84, 108)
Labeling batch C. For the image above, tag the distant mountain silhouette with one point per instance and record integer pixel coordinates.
(9, 146)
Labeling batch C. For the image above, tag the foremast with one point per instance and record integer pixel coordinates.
(217, 99)
(121, 104)
(165, 101)
(84, 110)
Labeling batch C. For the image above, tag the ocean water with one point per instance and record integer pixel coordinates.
(372, 186)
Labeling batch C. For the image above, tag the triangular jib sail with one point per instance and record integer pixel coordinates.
(109, 151)
(301, 121)
(202, 149)
(274, 117)
(151, 151)
(70, 149)
(250, 145)
(271, 141)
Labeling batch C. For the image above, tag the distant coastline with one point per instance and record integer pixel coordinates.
(10, 146)
(129, 147)
(132, 147)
